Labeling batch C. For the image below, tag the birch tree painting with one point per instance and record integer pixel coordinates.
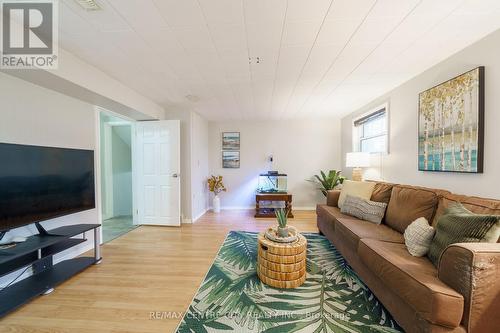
(451, 117)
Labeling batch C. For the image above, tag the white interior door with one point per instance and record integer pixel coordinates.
(157, 164)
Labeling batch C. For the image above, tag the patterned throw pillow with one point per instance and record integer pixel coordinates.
(459, 225)
(356, 189)
(364, 209)
(418, 237)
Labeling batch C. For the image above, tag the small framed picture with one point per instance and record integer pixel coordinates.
(230, 140)
(230, 159)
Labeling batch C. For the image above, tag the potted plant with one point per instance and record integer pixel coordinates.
(328, 182)
(216, 186)
(282, 217)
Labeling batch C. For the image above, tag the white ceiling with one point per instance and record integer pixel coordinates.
(318, 58)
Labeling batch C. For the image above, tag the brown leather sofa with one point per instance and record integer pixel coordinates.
(461, 295)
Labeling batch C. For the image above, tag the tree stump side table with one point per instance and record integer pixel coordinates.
(282, 265)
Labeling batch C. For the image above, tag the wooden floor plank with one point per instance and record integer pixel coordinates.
(150, 269)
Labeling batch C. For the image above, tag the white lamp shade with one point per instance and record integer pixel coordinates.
(357, 160)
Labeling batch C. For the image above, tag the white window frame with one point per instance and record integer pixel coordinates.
(356, 139)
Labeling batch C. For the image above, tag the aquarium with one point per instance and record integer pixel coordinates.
(272, 182)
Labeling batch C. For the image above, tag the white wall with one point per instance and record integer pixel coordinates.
(401, 164)
(122, 170)
(300, 148)
(199, 166)
(33, 115)
(194, 163)
(185, 172)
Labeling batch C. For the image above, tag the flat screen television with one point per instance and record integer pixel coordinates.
(41, 183)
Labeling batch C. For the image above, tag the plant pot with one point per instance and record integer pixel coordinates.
(216, 204)
(283, 232)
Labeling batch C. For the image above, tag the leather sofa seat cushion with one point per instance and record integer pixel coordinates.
(352, 230)
(407, 204)
(382, 192)
(414, 279)
(332, 213)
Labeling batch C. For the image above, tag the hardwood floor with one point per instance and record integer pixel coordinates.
(150, 269)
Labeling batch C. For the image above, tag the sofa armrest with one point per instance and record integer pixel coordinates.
(473, 269)
(332, 198)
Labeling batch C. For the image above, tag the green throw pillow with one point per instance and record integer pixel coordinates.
(459, 225)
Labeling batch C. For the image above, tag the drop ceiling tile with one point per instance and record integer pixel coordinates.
(223, 12)
(300, 32)
(106, 20)
(375, 30)
(347, 9)
(181, 13)
(392, 8)
(264, 35)
(194, 38)
(337, 31)
(301, 10)
(140, 13)
(229, 36)
(72, 23)
(320, 59)
(258, 11)
(166, 50)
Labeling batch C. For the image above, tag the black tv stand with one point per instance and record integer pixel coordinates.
(38, 251)
(42, 231)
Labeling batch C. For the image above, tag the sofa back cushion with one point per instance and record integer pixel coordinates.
(459, 225)
(382, 192)
(356, 189)
(408, 203)
(473, 204)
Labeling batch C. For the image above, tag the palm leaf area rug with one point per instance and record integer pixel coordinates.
(333, 298)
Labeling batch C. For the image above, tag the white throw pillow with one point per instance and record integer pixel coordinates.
(362, 190)
(418, 237)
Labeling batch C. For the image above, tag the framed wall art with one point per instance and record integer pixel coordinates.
(451, 125)
(231, 159)
(230, 140)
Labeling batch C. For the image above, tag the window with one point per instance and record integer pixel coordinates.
(370, 131)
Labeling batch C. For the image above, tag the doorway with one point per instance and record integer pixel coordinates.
(116, 176)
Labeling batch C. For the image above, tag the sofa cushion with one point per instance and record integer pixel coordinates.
(414, 279)
(474, 204)
(357, 189)
(459, 225)
(353, 229)
(382, 192)
(363, 209)
(407, 204)
(328, 215)
(418, 237)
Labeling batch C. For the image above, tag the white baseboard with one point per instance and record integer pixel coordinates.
(253, 207)
(200, 215)
(305, 208)
(186, 221)
(237, 207)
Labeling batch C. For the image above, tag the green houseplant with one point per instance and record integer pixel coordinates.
(282, 217)
(328, 181)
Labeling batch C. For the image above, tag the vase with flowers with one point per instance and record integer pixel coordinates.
(216, 186)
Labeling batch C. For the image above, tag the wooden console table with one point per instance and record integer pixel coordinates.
(267, 211)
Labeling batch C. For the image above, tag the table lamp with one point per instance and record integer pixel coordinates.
(357, 160)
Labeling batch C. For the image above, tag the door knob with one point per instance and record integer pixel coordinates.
(175, 175)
